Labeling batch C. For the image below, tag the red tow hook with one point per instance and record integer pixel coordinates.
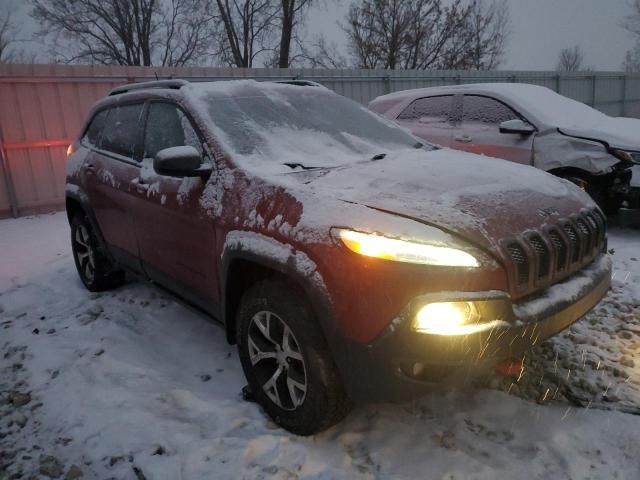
(510, 367)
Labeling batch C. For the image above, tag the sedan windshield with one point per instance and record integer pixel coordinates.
(299, 126)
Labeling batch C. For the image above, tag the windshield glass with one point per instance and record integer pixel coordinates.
(555, 109)
(309, 126)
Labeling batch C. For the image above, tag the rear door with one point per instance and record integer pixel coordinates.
(479, 131)
(176, 241)
(109, 169)
(430, 118)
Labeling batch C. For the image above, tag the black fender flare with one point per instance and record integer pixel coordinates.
(76, 195)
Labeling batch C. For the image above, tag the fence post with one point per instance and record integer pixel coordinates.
(593, 90)
(386, 80)
(624, 96)
(8, 181)
(557, 80)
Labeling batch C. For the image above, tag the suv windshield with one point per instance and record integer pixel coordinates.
(307, 126)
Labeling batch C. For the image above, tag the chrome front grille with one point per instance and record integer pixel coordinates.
(541, 257)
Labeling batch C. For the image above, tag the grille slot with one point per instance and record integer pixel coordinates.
(561, 250)
(588, 238)
(574, 242)
(521, 261)
(542, 252)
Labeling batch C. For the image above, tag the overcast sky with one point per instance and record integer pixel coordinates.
(540, 29)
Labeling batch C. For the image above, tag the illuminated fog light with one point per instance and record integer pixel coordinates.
(451, 318)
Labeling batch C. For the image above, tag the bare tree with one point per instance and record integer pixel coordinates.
(290, 16)
(488, 26)
(631, 63)
(246, 30)
(125, 32)
(320, 53)
(8, 35)
(421, 34)
(570, 59)
(632, 25)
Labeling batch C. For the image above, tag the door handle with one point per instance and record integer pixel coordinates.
(140, 185)
(463, 138)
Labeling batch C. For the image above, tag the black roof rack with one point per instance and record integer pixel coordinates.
(299, 83)
(170, 84)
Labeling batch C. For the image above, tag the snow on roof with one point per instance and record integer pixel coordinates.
(537, 103)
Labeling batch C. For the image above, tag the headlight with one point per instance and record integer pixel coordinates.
(633, 157)
(386, 248)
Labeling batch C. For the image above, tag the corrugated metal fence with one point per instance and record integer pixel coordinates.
(42, 108)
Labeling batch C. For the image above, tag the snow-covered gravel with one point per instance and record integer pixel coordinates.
(134, 384)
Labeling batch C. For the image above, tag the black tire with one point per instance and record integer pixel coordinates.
(323, 402)
(96, 271)
(598, 194)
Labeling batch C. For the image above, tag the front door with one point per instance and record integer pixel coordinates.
(176, 241)
(479, 131)
(109, 168)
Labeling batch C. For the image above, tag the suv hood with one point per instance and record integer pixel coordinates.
(623, 133)
(481, 199)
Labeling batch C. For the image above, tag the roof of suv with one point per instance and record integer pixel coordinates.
(177, 84)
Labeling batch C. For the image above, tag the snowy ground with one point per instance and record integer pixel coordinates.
(133, 384)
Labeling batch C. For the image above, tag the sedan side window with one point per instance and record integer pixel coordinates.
(429, 110)
(485, 110)
(121, 133)
(168, 126)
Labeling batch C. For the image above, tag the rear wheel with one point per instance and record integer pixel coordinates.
(286, 360)
(96, 271)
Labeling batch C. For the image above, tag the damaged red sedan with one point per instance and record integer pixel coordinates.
(346, 259)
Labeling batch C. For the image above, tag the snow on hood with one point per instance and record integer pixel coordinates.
(478, 197)
(616, 132)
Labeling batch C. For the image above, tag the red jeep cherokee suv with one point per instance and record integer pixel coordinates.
(346, 259)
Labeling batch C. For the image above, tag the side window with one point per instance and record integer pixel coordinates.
(92, 133)
(429, 110)
(121, 130)
(485, 110)
(168, 126)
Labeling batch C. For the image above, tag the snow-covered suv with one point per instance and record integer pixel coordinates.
(346, 259)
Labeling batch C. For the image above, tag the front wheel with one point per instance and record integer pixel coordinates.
(286, 360)
(598, 193)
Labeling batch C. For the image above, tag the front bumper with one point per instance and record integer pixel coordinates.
(401, 364)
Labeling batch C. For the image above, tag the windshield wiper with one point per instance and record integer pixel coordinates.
(293, 166)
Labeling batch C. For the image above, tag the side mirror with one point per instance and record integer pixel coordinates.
(184, 161)
(517, 126)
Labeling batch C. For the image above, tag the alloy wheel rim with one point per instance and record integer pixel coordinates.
(277, 360)
(85, 253)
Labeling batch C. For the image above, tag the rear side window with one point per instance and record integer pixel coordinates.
(486, 110)
(168, 126)
(430, 110)
(92, 133)
(121, 131)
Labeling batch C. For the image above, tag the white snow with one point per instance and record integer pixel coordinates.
(135, 378)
